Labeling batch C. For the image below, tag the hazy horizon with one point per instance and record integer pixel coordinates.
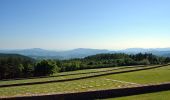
(81, 48)
(98, 24)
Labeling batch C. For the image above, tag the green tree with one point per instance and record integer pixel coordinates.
(167, 60)
(44, 68)
(28, 70)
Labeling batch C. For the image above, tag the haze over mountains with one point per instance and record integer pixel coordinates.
(38, 53)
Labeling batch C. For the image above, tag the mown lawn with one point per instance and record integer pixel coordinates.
(70, 75)
(96, 83)
(62, 87)
(157, 75)
(164, 95)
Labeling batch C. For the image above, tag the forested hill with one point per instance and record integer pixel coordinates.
(15, 65)
(119, 59)
(16, 58)
(4, 55)
(111, 60)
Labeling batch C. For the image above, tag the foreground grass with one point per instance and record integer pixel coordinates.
(70, 75)
(62, 87)
(157, 75)
(164, 95)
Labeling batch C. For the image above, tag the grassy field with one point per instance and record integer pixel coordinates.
(129, 79)
(70, 75)
(157, 75)
(62, 87)
(164, 95)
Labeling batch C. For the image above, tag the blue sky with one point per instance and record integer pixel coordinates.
(68, 24)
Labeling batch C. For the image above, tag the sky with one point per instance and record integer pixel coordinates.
(100, 24)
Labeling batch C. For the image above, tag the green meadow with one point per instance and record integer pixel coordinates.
(111, 81)
(71, 75)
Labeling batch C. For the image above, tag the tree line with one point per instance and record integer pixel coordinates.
(18, 66)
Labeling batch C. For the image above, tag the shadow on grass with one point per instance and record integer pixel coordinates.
(79, 78)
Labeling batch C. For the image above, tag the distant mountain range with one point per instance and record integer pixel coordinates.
(38, 53)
